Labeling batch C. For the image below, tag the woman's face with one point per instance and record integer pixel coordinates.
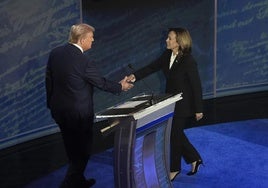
(171, 41)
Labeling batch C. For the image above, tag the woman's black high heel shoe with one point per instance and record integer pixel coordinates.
(174, 176)
(196, 168)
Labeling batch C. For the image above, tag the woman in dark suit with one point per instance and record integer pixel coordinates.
(181, 72)
(70, 81)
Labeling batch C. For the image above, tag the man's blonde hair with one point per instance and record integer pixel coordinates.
(79, 31)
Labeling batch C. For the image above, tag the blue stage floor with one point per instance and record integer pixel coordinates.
(235, 155)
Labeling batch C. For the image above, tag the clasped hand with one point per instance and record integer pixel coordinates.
(126, 84)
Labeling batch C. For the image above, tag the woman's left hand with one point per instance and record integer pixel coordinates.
(198, 116)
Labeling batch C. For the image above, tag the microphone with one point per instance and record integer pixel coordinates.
(151, 100)
(110, 128)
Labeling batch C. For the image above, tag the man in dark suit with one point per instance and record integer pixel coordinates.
(180, 70)
(70, 80)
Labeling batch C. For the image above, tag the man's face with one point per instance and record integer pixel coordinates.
(87, 41)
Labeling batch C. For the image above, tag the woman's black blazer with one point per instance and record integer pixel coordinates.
(182, 77)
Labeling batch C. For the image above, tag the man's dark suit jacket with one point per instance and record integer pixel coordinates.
(70, 80)
(182, 77)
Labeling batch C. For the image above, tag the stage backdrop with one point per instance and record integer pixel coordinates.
(242, 48)
(28, 31)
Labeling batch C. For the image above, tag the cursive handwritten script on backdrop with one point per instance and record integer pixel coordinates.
(29, 30)
(242, 44)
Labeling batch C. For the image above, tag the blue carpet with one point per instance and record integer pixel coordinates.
(235, 155)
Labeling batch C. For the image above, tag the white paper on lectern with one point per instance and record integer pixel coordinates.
(130, 104)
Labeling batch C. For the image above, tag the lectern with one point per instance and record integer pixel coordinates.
(142, 135)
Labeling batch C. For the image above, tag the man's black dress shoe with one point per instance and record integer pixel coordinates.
(90, 182)
(84, 184)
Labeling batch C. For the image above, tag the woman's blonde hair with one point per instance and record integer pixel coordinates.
(184, 39)
(79, 31)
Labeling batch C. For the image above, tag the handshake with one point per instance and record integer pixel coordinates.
(127, 82)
